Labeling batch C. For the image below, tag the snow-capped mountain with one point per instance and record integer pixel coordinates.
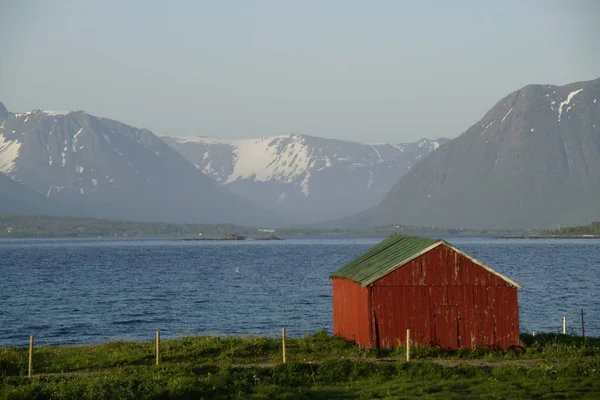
(99, 167)
(306, 178)
(532, 161)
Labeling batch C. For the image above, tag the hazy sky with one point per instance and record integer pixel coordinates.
(371, 71)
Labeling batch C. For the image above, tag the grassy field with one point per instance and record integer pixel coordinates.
(318, 366)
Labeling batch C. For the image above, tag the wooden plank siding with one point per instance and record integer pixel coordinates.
(442, 288)
(351, 311)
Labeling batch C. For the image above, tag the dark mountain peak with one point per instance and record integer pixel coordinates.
(533, 161)
(542, 108)
(104, 168)
(3, 111)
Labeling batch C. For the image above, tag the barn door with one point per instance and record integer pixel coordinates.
(445, 326)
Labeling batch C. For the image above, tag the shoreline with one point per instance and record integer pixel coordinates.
(550, 237)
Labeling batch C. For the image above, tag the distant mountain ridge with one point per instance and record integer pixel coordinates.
(533, 161)
(99, 167)
(304, 177)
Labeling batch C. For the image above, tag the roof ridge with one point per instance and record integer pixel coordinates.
(377, 259)
(370, 253)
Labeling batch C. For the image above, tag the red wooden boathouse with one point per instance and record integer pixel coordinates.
(444, 296)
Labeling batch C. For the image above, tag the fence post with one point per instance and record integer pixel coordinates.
(564, 325)
(157, 347)
(283, 343)
(408, 345)
(30, 374)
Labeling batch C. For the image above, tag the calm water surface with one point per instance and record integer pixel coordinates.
(95, 290)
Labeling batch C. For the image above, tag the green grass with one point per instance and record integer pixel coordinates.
(319, 366)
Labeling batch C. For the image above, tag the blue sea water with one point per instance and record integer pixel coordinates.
(75, 291)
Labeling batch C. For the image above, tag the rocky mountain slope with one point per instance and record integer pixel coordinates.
(17, 198)
(303, 177)
(533, 161)
(102, 168)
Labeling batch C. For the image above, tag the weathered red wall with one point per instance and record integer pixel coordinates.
(351, 311)
(445, 299)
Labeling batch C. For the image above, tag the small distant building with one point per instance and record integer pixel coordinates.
(265, 230)
(10, 228)
(444, 296)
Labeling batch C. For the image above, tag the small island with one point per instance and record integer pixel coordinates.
(591, 231)
(233, 236)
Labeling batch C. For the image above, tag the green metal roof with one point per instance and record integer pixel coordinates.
(381, 259)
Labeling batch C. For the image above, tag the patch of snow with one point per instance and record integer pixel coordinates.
(506, 115)
(57, 188)
(64, 159)
(486, 128)
(281, 197)
(566, 102)
(208, 169)
(74, 142)
(149, 181)
(429, 195)
(50, 160)
(532, 129)
(270, 158)
(9, 151)
(370, 183)
(157, 153)
(106, 138)
(594, 101)
(56, 112)
(94, 181)
(436, 144)
(304, 185)
(133, 168)
(79, 169)
(378, 154)
(81, 190)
